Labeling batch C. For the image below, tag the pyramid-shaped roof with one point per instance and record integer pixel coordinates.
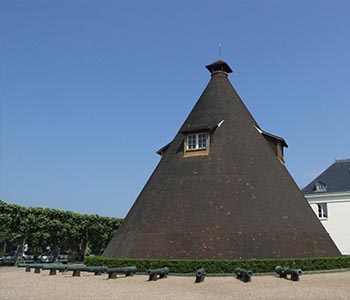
(235, 201)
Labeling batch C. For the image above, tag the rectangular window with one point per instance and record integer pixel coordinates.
(191, 142)
(202, 140)
(197, 144)
(196, 141)
(322, 210)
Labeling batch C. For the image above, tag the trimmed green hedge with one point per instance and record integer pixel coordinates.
(222, 266)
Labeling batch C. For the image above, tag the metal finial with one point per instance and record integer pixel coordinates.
(219, 51)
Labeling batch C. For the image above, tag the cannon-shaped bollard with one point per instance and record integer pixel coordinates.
(27, 266)
(294, 273)
(155, 274)
(243, 274)
(128, 271)
(54, 268)
(76, 269)
(200, 275)
(37, 267)
(97, 270)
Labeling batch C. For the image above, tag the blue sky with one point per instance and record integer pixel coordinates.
(91, 89)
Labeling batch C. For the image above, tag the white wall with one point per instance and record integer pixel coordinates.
(338, 222)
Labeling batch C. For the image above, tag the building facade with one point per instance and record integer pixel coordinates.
(329, 197)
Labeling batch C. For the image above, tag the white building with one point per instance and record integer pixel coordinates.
(329, 196)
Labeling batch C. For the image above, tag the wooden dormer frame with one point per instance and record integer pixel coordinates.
(200, 151)
(276, 143)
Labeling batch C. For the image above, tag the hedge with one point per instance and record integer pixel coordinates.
(222, 266)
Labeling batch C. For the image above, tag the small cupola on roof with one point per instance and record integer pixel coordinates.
(219, 66)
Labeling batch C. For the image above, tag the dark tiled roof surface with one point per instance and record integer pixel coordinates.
(335, 179)
(237, 202)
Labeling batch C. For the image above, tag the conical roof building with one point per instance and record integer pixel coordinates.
(221, 190)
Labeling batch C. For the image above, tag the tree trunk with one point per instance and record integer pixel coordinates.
(83, 249)
(4, 246)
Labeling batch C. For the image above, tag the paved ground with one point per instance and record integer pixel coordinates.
(16, 284)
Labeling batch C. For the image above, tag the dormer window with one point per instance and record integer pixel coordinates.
(196, 141)
(320, 187)
(196, 144)
(276, 143)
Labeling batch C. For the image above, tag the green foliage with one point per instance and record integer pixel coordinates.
(222, 266)
(41, 227)
(20, 260)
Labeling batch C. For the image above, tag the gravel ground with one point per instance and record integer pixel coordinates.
(16, 284)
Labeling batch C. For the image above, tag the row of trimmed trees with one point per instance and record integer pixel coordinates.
(40, 228)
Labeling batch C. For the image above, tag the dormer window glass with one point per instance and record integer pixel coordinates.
(196, 141)
(196, 144)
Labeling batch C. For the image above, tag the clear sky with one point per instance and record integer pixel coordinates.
(90, 90)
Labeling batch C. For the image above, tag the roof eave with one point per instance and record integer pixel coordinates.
(276, 137)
